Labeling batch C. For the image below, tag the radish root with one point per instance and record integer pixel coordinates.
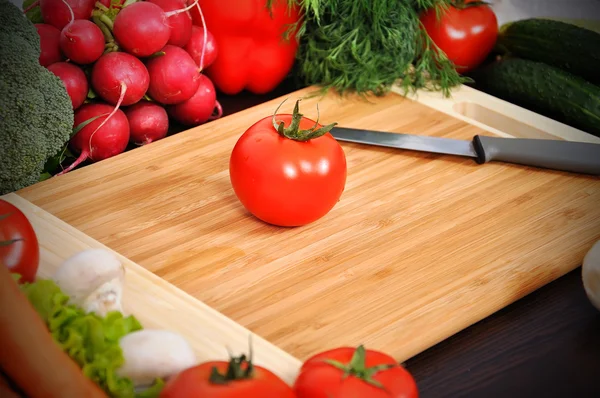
(205, 36)
(219, 110)
(31, 6)
(121, 97)
(87, 152)
(70, 11)
(82, 156)
(175, 12)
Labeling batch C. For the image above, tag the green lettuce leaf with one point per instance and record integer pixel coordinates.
(90, 340)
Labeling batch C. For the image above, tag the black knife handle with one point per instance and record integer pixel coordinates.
(576, 157)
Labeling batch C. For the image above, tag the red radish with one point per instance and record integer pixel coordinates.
(181, 23)
(74, 80)
(82, 41)
(115, 68)
(104, 137)
(174, 77)
(200, 107)
(148, 122)
(49, 44)
(142, 28)
(196, 44)
(57, 13)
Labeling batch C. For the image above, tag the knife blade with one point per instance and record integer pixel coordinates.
(575, 157)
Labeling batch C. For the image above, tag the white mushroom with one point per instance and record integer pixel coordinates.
(93, 279)
(151, 354)
(590, 272)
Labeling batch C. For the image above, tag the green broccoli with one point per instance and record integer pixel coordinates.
(13, 23)
(36, 114)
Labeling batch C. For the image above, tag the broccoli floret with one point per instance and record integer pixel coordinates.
(14, 23)
(36, 114)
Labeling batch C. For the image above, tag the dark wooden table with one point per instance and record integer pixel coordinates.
(546, 345)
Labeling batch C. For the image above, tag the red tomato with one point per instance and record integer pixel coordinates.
(19, 248)
(201, 381)
(466, 33)
(286, 181)
(354, 372)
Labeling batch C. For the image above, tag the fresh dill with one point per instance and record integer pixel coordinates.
(367, 46)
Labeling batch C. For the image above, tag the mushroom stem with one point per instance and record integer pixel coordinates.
(93, 279)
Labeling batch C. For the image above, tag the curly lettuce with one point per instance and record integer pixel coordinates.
(90, 340)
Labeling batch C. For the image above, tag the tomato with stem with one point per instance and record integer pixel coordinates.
(354, 372)
(19, 247)
(288, 176)
(238, 378)
(466, 32)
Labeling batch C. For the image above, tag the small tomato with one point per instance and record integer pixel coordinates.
(238, 378)
(19, 248)
(288, 176)
(466, 32)
(358, 373)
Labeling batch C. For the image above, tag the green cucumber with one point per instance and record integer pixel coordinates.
(543, 89)
(560, 44)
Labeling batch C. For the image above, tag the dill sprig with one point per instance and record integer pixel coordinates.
(367, 46)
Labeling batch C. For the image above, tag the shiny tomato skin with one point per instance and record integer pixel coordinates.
(23, 255)
(194, 383)
(466, 36)
(318, 379)
(286, 182)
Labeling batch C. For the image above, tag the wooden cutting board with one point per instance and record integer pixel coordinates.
(156, 303)
(419, 247)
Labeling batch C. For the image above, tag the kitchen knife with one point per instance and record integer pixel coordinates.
(576, 157)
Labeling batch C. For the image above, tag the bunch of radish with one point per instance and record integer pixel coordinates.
(130, 67)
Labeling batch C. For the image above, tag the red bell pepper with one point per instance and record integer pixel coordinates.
(252, 53)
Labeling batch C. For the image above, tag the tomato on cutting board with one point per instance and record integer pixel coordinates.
(19, 248)
(238, 378)
(354, 372)
(466, 32)
(288, 170)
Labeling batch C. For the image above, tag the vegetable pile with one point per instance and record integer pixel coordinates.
(81, 312)
(130, 68)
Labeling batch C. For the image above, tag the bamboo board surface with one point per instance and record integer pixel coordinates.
(419, 247)
(156, 303)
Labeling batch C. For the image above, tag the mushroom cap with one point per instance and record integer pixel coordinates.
(84, 272)
(152, 353)
(590, 272)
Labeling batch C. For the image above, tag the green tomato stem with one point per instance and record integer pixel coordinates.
(293, 131)
(357, 367)
(234, 369)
